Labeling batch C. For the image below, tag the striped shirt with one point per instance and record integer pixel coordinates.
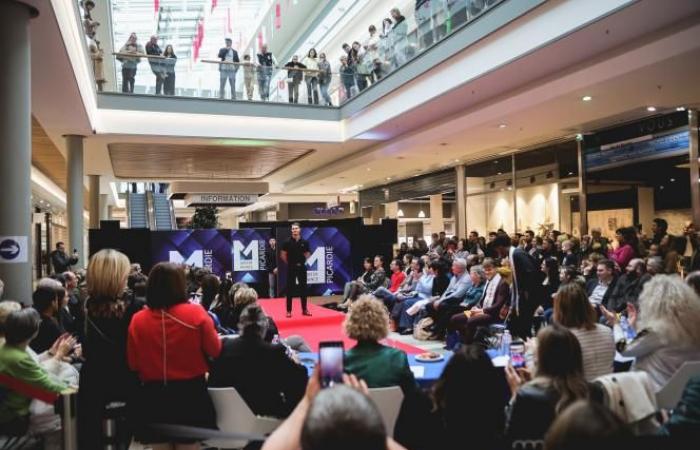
(598, 348)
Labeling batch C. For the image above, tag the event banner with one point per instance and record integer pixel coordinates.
(249, 254)
(328, 267)
(199, 248)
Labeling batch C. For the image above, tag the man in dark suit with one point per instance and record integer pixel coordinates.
(60, 261)
(600, 289)
(271, 261)
(269, 381)
(527, 291)
(228, 69)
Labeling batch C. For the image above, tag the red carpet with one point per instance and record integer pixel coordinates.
(324, 324)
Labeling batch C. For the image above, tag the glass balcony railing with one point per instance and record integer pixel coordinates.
(393, 46)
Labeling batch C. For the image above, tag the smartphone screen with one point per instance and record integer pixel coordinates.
(517, 355)
(330, 358)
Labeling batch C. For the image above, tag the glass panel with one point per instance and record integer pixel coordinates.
(181, 24)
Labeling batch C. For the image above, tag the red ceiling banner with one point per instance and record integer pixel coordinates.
(278, 16)
(156, 6)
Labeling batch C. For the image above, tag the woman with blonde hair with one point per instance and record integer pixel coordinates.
(379, 365)
(667, 328)
(105, 376)
(573, 310)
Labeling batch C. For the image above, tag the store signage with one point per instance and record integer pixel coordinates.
(335, 210)
(639, 149)
(14, 249)
(221, 199)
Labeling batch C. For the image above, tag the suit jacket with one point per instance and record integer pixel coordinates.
(500, 299)
(271, 258)
(269, 382)
(62, 262)
(528, 276)
(222, 57)
(592, 283)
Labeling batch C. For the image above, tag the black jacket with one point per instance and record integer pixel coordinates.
(271, 258)
(592, 283)
(269, 382)
(49, 330)
(293, 71)
(222, 56)
(626, 289)
(62, 262)
(529, 277)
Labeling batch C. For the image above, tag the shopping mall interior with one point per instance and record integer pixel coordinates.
(303, 147)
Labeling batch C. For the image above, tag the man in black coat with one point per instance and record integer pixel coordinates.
(271, 261)
(527, 291)
(228, 69)
(60, 261)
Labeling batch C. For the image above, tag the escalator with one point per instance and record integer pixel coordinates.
(137, 210)
(163, 214)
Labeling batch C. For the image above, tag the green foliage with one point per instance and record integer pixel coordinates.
(205, 217)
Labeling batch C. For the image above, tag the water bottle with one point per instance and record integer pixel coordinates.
(505, 343)
(627, 330)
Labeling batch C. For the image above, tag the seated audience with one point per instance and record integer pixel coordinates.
(226, 309)
(168, 347)
(684, 423)
(655, 265)
(269, 381)
(20, 328)
(210, 287)
(380, 366)
(105, 376)
(693, 280)
(471, 299)
(585, 424)
(550, 267)
(573, 311)
(628, 286)
(489, 309)
(454, 295)
(558, 382)
(407, 283)
(667, 331)
(424, 290)
(600, 288)
(339, 418)
(46, 302)
(377, 280)
(365, 278)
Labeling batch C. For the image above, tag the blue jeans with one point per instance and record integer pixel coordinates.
(406, 320)
(230, 76)
(387, 296)
(324, 93)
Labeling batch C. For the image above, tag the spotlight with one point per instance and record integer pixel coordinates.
(651, 108)
(586, 98)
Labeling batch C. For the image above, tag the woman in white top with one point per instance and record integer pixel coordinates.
(311, 76)
(667, 327)
(573, 311)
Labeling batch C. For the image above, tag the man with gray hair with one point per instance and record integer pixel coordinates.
(453, 295)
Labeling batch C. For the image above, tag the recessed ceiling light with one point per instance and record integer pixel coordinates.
(456, 160)
(651, 108)
(503, 125)
(680, 108)
(388, 178)
(368, 169)
(673, 180)
(586, 98)
(499, 173)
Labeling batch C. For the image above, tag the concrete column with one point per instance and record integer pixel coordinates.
(582, 192)
(104, 207)
(16, 150)
(377, 214)
(94, 201)
(645, 206)
(74, 196)
(461, 198)
(437, 224)
(694, 153)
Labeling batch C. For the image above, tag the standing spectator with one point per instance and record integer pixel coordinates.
(249, 362)
(569, 258)
(105, 376)
(271, 261)
(325, 77)
(153, 49)
(248, 76)
(691, 251)
(294, 77)
(558, 382)
(527, 290)
(75, 305)
(398, 38)
(311, 76)
(573, 311)
(129, 63)
(598, 244)
(210, 287)
(169, 69)
(60, 261)
(363, 69)
(46, 302)
(168, 346)
(385, 49)
(371, 47)
(347, 76)
(266, 61)
(228, 70)
(628, 247)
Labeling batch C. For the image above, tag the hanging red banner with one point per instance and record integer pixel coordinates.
(156, 5)
(278, 16)
(213, 4)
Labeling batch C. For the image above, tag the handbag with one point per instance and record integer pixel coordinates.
(422, 331)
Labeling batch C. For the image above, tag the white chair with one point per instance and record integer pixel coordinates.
(670, 394)
(388, 401)
(233, 415)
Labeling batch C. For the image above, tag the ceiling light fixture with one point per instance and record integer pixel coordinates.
(586, 98)
(388, 178)
(680, 108)
(399, 213)
(421, 214)
(503, 125)
(651, 108)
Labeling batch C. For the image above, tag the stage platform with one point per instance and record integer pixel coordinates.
(324, 324)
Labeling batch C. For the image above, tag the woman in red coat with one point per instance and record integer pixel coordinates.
(168, 346)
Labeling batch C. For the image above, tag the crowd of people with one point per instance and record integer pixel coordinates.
(362, 63)
(148, 347)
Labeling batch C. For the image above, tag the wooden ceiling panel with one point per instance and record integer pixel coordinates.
(176, 161)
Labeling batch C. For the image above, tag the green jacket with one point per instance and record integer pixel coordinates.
(685, 420)
(18, 364)
(380, 366)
